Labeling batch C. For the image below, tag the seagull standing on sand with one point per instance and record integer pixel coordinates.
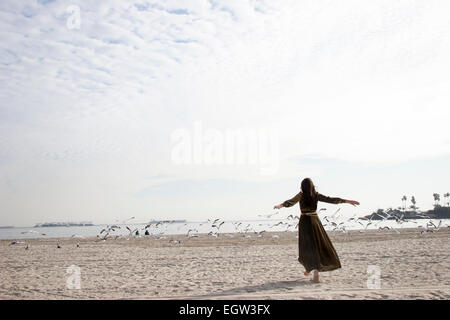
(16, 242)
(189, 231)
(213, 234)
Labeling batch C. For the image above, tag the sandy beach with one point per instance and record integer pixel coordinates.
(411, 266)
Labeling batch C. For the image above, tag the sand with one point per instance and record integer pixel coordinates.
(411, 265)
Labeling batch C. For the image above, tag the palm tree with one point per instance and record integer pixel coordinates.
(447, 195)
(404, 198)
(437, 198)
(413, 201)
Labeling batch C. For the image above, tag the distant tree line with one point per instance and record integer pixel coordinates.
(437, 201)
(402, 212)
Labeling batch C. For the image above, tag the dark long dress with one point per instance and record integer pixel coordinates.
(315, 250)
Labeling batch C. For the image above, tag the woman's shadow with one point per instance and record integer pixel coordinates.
(287, 285)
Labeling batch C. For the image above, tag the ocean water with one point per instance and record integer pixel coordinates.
(227, 227)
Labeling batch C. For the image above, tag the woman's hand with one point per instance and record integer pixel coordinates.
(352, 202)
(278, 206)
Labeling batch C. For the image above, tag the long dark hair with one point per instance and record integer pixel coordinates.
(309, 192)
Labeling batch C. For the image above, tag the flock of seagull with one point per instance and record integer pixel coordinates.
(158, 230)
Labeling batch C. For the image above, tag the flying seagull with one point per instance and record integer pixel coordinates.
(335, 212)
(277, 224)
(268, 215)
(131, 231)
(213, 223)
(128, 219)
(218, 226)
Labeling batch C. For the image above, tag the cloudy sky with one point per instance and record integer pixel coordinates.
(111, 109)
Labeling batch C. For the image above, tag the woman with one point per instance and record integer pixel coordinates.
(315, 250)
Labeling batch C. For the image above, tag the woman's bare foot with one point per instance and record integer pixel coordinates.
(316, 277)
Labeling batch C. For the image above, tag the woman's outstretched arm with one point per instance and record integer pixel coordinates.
(290, 202)
(352, 202)
(323, 198)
